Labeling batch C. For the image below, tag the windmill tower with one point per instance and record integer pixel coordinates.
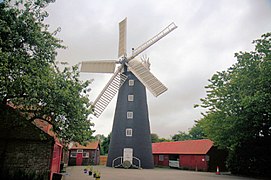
(130, 144)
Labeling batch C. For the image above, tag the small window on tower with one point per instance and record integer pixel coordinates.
(130, 115)
(130, 97)
(131, 82)
(129, 132)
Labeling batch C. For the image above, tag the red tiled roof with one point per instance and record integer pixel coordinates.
(46, 127)
(41, 124)
(183, 147)
(90, 145)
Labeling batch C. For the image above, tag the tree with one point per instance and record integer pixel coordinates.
(30, 78)
(197, 132)
(105, 144)
(154, 138)
(164, 140)
(180, 136)
(99, 137)
(238, 107)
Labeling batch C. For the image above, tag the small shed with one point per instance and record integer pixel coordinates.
(196, 155)
(80, 155)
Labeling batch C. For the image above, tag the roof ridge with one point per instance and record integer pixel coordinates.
(182, 141)
(200, 146)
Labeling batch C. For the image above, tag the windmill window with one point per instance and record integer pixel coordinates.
(129, 132)
(131, 82)
(130, 115)
(130, 97)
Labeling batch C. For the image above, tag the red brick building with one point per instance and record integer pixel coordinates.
(190, 154)
(84, 155)
(27, 148)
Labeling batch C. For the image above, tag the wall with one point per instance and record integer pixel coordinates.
(23, 146)
(163, 161)
(103, 160)
(96, 153)
(90, 159)
(195, 162)
(217, 158)
(27, 156)
(93, 159)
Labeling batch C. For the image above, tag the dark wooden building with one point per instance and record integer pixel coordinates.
(84, 155)
(200, 155)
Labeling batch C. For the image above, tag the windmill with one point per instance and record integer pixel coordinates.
(130, 144)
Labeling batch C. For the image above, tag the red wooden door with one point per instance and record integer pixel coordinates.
(79, 159)
(55, 165)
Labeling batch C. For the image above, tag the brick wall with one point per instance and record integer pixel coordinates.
(27, 156)
(23, 147)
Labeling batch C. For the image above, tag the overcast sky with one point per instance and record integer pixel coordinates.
(209, 33)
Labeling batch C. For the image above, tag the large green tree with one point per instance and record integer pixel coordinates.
(238, 103)
(180, 136)
(196, 132)
(30, 78)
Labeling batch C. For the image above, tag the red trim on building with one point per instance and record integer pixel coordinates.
(56, 159)
(57, 147)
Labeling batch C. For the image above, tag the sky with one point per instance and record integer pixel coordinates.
(209, 33)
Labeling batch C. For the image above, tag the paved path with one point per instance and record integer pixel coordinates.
(77, 173)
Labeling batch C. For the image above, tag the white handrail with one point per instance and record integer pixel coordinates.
(121, 160)
(139, 162)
